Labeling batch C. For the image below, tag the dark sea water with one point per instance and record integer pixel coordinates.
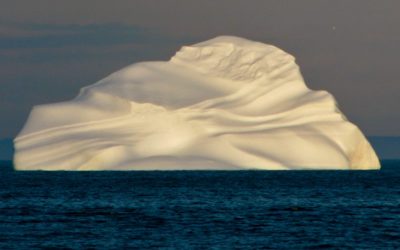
(201, 209)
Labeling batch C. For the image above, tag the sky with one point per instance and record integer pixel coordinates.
(49, 49)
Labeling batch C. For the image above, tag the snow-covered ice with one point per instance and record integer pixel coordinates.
(226, 103)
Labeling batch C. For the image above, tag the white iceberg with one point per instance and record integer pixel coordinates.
(227, 103)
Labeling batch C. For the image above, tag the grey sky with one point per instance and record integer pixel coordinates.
(51, 48)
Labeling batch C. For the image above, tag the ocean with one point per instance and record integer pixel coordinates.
(200, 209)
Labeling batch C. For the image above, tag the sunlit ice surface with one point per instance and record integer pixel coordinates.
(224, 104)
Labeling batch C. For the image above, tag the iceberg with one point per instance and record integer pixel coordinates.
(224, 104)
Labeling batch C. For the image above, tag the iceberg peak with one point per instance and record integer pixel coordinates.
(236, 59)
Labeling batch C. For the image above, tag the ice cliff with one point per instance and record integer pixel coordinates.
(227, 103)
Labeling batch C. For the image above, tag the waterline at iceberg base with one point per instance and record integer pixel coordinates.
(226, 103)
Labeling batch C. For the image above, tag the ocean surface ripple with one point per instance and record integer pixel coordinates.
(201, 209)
